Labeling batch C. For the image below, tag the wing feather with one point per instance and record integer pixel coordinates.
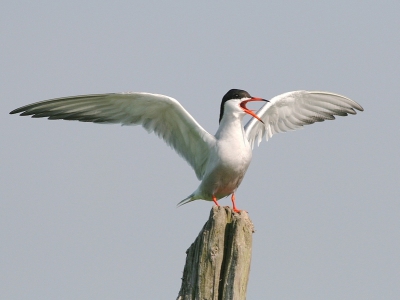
(160, 114)
(293, 110)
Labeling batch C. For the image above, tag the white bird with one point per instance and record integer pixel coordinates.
(219, 161)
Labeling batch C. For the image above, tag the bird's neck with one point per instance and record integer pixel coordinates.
(231, 127)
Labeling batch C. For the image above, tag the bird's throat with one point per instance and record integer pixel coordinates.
(230, 128)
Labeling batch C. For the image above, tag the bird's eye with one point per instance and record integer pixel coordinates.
(237, 96)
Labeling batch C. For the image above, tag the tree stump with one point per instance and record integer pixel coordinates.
(218, 262)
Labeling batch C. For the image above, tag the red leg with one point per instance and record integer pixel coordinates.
(235, 209)
(215, 200)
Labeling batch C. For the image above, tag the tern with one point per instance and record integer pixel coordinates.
(220, 161)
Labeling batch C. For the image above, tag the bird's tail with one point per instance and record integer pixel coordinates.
(186, 200)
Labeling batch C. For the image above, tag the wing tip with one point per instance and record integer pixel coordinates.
(360, 108)
(15, 111)
(355, 105)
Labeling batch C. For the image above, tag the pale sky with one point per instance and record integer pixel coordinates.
(88, 211)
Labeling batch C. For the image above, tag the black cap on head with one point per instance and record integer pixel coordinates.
(232, 94)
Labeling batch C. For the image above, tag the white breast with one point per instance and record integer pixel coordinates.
(228, 162)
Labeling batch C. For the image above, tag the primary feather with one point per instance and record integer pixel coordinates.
(293, 110)
(160, 114)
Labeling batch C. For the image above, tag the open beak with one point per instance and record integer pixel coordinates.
(250, 112)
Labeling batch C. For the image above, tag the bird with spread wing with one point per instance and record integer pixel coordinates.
(220, 161)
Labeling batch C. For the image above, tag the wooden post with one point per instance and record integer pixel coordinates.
(218, 262)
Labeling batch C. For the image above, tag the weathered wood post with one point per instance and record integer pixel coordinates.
(218, 262)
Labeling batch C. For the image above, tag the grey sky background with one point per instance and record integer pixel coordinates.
(89, 211)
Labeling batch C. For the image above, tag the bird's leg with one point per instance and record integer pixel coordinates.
(215, 200)
(234, 204)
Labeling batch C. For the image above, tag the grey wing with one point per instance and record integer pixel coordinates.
(160, 114)
(293, 110)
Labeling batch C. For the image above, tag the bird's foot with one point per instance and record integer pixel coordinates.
(236, 210)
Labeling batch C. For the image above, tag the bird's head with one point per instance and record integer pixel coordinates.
(235, 101)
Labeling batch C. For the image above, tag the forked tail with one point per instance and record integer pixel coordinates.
(186, 200)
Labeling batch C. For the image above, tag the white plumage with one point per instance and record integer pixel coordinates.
(219, 161)
(293, 110)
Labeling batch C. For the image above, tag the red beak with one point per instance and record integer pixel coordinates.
(247, 111)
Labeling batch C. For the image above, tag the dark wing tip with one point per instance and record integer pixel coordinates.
(22, 109)
(15, 111)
